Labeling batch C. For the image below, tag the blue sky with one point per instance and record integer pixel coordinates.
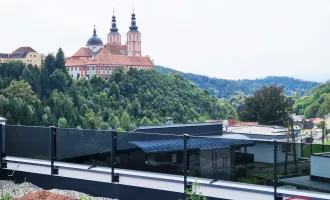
(232, 39)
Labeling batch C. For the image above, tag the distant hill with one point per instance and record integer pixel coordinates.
(316, 103)
(223, 88)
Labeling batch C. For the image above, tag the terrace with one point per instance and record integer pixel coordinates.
(154, 162)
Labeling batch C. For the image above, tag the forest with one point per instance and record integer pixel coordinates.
(48, 96)
(315, 103)
(223, 88)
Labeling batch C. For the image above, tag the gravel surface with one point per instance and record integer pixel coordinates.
(20, 190)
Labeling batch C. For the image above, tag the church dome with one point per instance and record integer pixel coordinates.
(94, 40)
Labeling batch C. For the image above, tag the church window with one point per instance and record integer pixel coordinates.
(110, 38)
(137, 37)
(117, 38)
(130, 46)
(129, 37)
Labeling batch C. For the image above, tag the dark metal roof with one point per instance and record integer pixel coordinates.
(199, 143)
(21, 52)
(196, 129)
(94, 40)
(4, 55)
(308, 125)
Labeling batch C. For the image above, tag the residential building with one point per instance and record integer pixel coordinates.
(316, 121)
(264, 137)
(4, 57)
(97, 59)
(327, 121)
(25, 54)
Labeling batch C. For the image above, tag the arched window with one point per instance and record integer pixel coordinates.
(110, 38)
(129, 37)
(137, 47)
(137, 37)
(117, 38)
(130, 46)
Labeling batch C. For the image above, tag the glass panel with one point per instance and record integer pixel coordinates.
(91, 147)
(27, 142)
(232, 157)
(150, 152)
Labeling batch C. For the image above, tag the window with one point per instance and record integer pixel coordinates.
(137, 37)
(30, 55)
(137, 48)
(117, 38)
(130, 46)
(110, 38)
(76, 69)
(129, 37)
(34, 55)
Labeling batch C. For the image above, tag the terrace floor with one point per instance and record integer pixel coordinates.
(305, 182)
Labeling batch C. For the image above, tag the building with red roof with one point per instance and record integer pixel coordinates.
(97, 59)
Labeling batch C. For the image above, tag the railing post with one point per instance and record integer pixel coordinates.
(275, 170)
(53, 150)
(2, 154)
(114, 177)
(185, 161)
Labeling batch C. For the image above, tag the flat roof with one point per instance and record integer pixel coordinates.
(305, 182)
(258, 129)
(179, 125)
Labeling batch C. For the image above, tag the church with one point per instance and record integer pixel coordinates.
(98, 59)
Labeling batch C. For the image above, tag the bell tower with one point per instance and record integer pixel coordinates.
(114, 36)
(133, 44)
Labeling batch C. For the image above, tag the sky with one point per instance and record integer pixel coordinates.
(231, 39)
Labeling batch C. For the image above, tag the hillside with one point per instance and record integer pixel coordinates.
(49, 96)
(222, 88)
(316, 103)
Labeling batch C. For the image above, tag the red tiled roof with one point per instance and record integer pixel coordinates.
(83, 52)
(74, 62)
(114, 49)
(104, 59)
(316, 120)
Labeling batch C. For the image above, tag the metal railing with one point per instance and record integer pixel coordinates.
(182, 152)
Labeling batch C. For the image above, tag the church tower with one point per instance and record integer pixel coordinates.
(114, 36)
(133, 44)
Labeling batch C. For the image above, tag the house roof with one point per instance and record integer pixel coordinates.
(197, 129)
(114, 49)
(121, 60)
(74, 62)
(199, 143)
(316, 120)
(21, 52)
(308, 125)
(4, 55)
(83, 52)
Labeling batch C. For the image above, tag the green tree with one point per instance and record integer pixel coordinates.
(60, 60)
(21, 90)
(50, 63)
(114, 90)
(125, 121)
(145, 121)
(4, 102)
(62, 122)
(58, 80)
(268, 104)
